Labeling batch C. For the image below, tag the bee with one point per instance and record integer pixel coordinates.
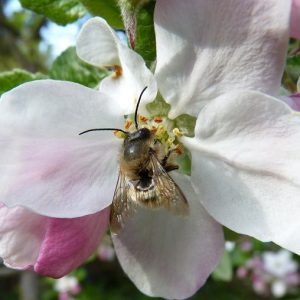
(143, 179)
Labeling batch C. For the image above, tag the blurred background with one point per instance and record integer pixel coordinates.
(248, 270)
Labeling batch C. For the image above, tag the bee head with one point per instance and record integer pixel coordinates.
(140, 134)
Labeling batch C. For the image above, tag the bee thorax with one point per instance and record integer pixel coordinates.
(133, 151)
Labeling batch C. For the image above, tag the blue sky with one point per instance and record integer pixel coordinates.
(58, 38)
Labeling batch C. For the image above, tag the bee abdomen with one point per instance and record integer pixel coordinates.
(145, 184)
(146, 194)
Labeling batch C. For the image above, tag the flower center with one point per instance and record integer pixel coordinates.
(166, 133)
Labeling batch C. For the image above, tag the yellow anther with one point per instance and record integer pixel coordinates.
(177, 132)
(160, 130)
(162, 133)
(170, 141)
(119, 134)
(118, 71)
(128, 123)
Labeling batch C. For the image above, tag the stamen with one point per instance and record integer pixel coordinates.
(118, 71)
(179, 149)
(128, 123)
(158, 119)
(161, 133)
(143, 119)
(177, 132)
(170, 141)
(119, 134)
(153, 129)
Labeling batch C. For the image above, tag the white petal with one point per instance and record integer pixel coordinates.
(21, 235)
(245, 165)
(217, 47)
(45, 165)
(98, 45)
(126, 89)
(169, 256)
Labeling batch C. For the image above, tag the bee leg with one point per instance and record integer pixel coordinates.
(168, 166)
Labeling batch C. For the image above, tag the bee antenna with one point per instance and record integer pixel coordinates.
(137, 108)
(98, 129)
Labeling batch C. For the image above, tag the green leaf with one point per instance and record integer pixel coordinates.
(11, 79)
(145, 35)
(107, 9)
(69, 67)
(223, 272)
(231, 235)
(59, 11)
(293, 67)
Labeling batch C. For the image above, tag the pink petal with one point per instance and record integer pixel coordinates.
(295, 20)
(293, 101)
(69, 242)
(50, 246)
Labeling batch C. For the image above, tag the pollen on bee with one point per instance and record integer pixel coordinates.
(118, 71)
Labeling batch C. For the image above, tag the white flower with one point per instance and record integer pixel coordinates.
(220, 63)
(279, 264)
(278, 288)
(66, 284)
(229, 246)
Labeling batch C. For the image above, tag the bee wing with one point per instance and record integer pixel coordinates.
(172, 198)
(122, 205)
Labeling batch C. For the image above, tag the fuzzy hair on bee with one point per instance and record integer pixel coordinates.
(143, 179)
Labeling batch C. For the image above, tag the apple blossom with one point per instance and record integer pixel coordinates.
(66, 286)
(221, 64)
(105, 251)
(279, 264)
(273, 273)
